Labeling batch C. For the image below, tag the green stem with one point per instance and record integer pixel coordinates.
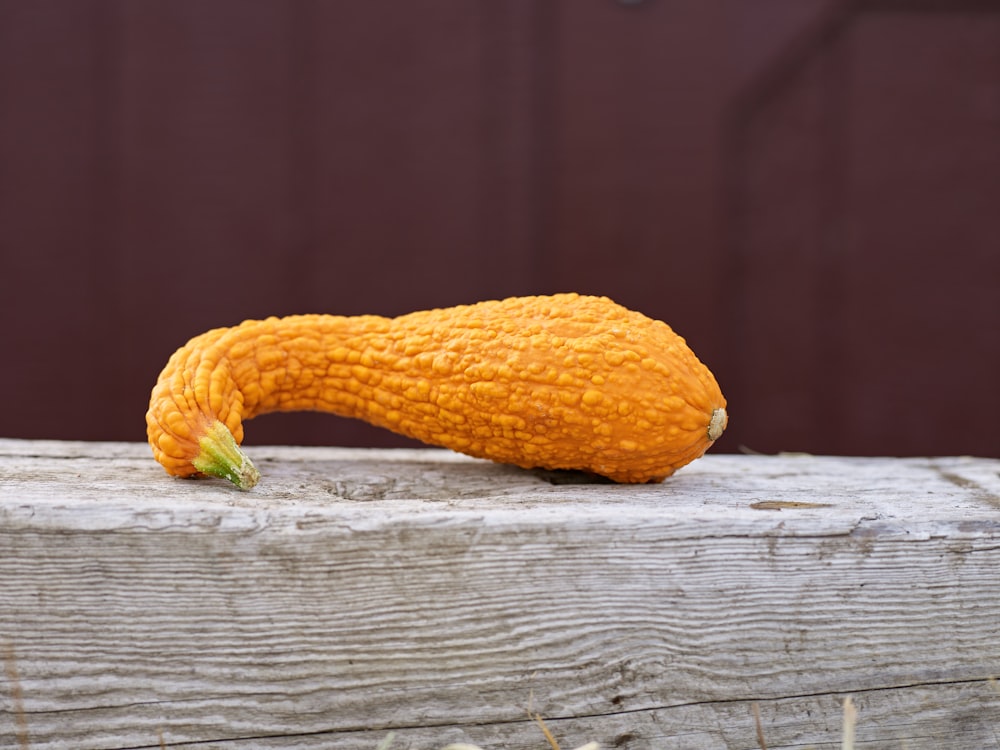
(220, 456)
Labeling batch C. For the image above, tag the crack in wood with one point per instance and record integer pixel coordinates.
(981, 493)
(666, 708)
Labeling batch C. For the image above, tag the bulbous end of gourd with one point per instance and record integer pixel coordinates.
(220, 456)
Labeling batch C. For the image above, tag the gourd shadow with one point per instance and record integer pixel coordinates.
(569, 476)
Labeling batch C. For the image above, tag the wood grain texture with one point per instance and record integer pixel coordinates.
(355, 593)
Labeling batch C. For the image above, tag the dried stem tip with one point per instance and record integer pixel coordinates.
(717, 423)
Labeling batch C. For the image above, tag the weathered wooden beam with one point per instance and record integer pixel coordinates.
(355, 593)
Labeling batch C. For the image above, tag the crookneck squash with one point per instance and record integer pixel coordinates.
(558, 382)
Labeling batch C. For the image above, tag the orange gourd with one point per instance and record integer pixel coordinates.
(558, 382)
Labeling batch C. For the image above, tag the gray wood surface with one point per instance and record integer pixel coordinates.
(357, 593)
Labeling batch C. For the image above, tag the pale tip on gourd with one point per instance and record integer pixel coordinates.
(717, 423)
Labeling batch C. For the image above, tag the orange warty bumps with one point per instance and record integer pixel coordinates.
(558, 382)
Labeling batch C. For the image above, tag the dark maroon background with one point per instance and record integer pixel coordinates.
(808, 190)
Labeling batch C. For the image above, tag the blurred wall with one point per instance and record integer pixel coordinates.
(807, 190)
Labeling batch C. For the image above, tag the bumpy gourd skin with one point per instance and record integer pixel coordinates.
(559, 382)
